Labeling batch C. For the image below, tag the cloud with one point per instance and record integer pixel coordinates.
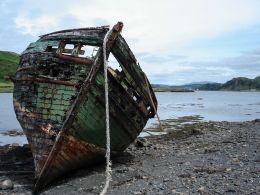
(153, 26)
(183, 40)
(36, 26)
(247, 65)
(160, 58)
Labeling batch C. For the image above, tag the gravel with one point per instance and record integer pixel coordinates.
(199, 158)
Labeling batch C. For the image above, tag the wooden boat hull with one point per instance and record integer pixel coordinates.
(59, 101)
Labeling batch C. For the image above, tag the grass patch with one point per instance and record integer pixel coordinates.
(8, 64)
(6, 87)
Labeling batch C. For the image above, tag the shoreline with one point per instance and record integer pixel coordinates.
(203, 157)
(160, 90)
(6, 87)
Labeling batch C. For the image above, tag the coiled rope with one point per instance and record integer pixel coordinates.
(108, 161)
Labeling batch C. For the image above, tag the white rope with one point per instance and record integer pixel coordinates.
(108, 161)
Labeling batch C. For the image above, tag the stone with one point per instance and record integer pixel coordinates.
(166, 180)
(228, 169)
(123, 170)
(201, 190)
(7, 184)
(137, 193)
(141, 142)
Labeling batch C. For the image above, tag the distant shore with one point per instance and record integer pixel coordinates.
(204, 158)
(6, 87)
(172, 90)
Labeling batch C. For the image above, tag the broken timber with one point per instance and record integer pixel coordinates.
(59, 99)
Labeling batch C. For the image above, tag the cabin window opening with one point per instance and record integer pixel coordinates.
(88, 51)
(50, 48)
(134, 98)
(68, 49)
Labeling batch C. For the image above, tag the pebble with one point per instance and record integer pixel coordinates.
(141, 142)
(228, 169)
(166, 179)
(137, 193)
(180, 172)
(201, 190)
(144, 177)
(124, 170)
(6, 184)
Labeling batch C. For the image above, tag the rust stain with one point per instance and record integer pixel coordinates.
(58, 99)
(68, 83)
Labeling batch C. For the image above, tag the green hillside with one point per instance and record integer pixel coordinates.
(241, 84)
(8, 63)
(235, 84)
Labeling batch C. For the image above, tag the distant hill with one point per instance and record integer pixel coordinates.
(210, 87)
(8, 64)
(161, 86)
(235, 84)
(203, 86)
(199, 83)
(241, 84)
(170, 88)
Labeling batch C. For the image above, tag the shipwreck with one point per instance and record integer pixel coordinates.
(59, 99)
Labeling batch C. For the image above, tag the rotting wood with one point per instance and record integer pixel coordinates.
(72, 113)
(41, 80)
(76, 60)
(59, 100)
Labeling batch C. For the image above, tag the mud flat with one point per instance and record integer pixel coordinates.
(193, 158)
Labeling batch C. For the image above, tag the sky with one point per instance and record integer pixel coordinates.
(175, 41)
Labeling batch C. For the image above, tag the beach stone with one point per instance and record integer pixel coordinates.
(201, 190)
(123, 170)
(137, 193)
(141, 142)
(6, 184)
(257, 159)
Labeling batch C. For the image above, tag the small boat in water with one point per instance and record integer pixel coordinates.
(59, 99)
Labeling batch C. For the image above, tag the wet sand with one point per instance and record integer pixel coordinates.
(198, 158)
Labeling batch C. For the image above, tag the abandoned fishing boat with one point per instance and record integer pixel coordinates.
(59, 99)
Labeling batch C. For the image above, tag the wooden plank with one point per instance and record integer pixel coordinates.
(133, 73)
(75, 107)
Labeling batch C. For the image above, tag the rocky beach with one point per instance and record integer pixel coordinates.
(192, 158)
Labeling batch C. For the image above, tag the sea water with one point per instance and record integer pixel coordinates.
(210, 105)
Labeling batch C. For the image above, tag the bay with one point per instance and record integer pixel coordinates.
(209, 105)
